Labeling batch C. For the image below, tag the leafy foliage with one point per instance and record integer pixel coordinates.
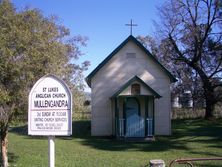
(31, 46)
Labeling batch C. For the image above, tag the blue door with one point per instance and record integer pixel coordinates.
(134, 123)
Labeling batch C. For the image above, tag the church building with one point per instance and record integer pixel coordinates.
(130, 93)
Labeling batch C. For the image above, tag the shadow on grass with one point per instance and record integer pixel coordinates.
(118, 145)
(19, 130)
(184, 132)
(189, 137)
(80, 129)
(12, 158)
(23, 131)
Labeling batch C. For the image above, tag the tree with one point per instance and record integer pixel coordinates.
(31, 46)
(188, 80)
(192, 36)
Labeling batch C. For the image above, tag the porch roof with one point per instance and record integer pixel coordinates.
(136, 79)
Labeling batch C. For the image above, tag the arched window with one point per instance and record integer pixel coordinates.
(135, 89)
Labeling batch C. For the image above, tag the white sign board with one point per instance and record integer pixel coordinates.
(50, 108)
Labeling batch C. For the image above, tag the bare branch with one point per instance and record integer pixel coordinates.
(193, 18)
(217, 70)
(181, 57)
(210, 20)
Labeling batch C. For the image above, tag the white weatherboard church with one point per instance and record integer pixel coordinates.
(130, 93)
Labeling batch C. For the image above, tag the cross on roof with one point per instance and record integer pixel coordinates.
(131, 26)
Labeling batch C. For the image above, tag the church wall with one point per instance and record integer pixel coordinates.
(115, 73)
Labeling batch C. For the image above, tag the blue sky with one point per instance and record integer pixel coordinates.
(103, 22)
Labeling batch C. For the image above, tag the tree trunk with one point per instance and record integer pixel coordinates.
(4, 146)
(210, 102)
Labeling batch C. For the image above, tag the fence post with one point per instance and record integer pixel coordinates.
(157, 163)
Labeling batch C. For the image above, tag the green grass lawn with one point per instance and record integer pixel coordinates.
(191, 138)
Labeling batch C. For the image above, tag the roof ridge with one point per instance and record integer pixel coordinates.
(130, 37)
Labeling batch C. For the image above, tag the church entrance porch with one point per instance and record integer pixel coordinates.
(134, 116)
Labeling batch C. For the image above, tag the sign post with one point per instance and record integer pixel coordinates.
(50, 111)
(51, 150)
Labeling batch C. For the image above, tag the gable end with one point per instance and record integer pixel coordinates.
(133, 39)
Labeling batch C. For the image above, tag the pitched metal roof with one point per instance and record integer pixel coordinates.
(134, 40)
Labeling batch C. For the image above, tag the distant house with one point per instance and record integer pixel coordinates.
(130, 93)
(183, 100)
(187, 100)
